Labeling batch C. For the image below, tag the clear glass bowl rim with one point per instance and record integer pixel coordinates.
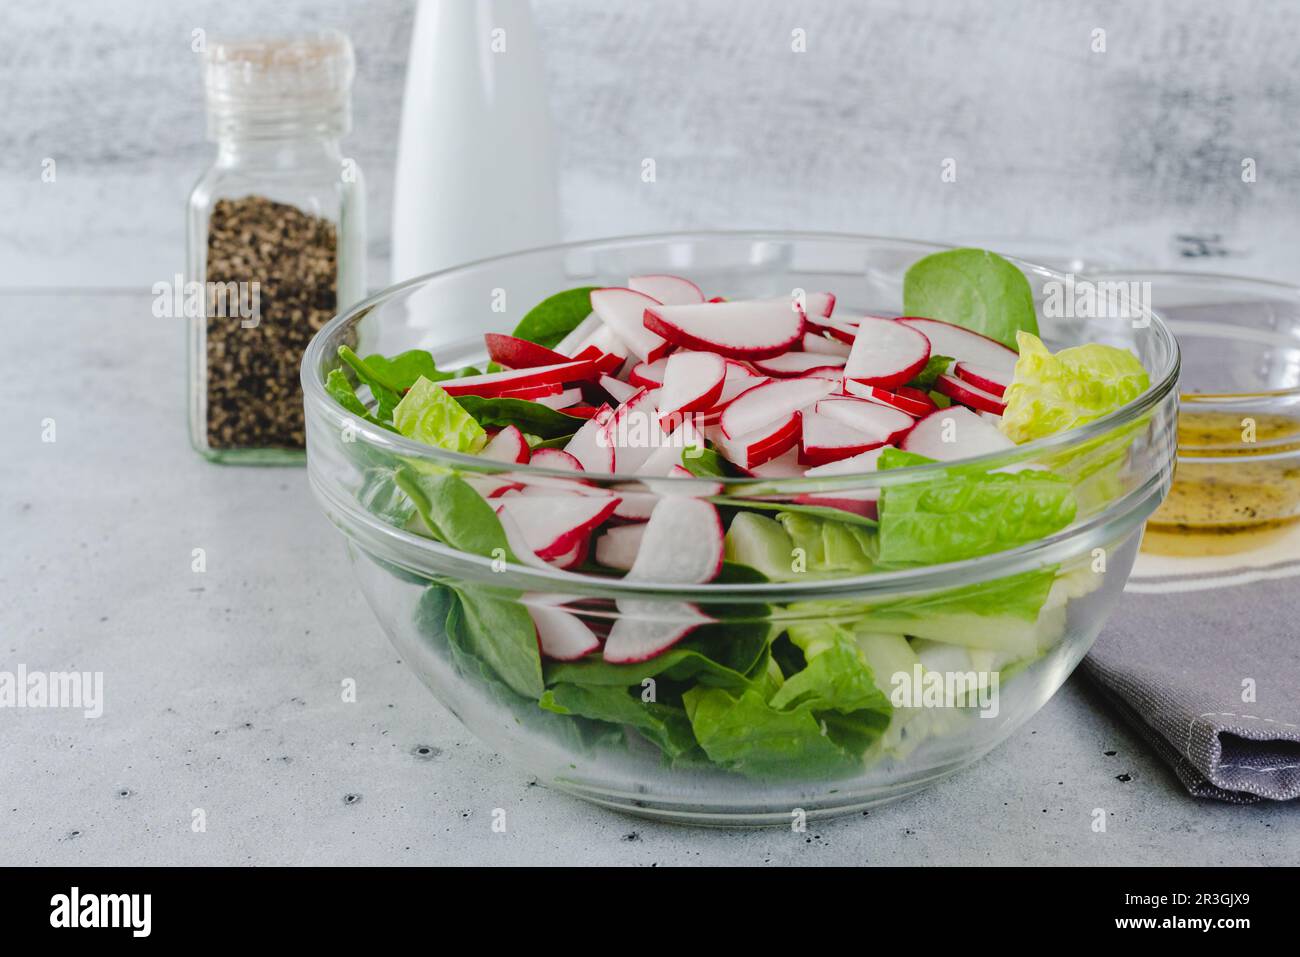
(1060, 546)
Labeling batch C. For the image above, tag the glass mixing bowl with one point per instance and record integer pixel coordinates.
(962, 652)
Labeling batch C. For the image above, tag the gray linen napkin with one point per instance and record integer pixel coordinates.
(1180, 665)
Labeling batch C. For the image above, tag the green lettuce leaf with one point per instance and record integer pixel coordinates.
(964, 512)
(429, 415)
(1052, 393)
(973, 288)
(830, 546)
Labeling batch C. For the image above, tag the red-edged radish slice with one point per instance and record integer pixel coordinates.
(622, 310)
(561, 400)
(515, 539)
(617, 548)
(574, 556)
(799, 363)
(607, 363)
(520, 353)
(682, 543)
(578, 336)
(751, 449)
(552, 525)
(969, 394)
(492, 487)
(698, 487)
(895, 400)
(514, 380)
(960, 343)
(886, 353)
(636, 502)
(508, 445)
(816, 342)
(669, 454)
(670, 290)
(987, 378)
(556, 459)
(917, 395)
(635, 431)
(533, 392)
(561, 634)
(954, 433)
(770, 402)
(646, 629)
(854, 465)
(786, 465)
(581, 411)
(878, 423)
(621, 391)
(692, 382)
(818, 306)
(591, 446)
(648, 374)
(741, 329)
(828, 440)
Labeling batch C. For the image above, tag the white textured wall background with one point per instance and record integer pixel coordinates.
(1115, 151)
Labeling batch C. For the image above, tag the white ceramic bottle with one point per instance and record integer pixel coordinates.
(476, 171)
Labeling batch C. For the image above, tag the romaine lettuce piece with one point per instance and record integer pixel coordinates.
(429, 415)
(1052, 393)
(828, 546)
(964, 512)
(760, 543)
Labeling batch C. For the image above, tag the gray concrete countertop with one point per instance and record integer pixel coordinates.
(222, 688)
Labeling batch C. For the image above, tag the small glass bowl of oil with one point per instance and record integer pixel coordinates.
(1238, 467)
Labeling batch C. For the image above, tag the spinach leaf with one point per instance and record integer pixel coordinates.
(386, 394)
(973, 288)
(455, 513)
(814, 511)
(401, 371)
(555, 317)
(665, 725)
(500, 632)
(381, 496)
(531, 417)
(721, 655)
(935, 366)
(338, 386)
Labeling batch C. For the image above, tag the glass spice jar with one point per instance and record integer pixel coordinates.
(275, 237)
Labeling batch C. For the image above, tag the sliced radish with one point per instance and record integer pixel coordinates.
(574, 556)
(646, 629)
(552, 525)
(490, 486)
(670, 290)
(556, 459)
(742, 329)
(697, 487)
(816, 342)
(648, 374)
(793, 364)
(533, 392)
(562, 635)
(513, 380)
(886, 354)
(515, 539)
(786, 465)
(508, 445)
(682, 543)
(855, 465)
(954, 433)
(578, 335)
(858, 501)
(969, 394)
(607, 363)
(818, 305)
(590, 445)
(520, 353)
(987, 378)
(617, 548)
(622, 309)
(752, 449)
(770, 402)
(669, 454)
(635, 432)
(620, 391)
(960, 343)
(825, 439)
(876, 424)
(900, 400)
(693, 382)
(560, 400)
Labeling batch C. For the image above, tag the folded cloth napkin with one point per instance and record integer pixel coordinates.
(1203, 658)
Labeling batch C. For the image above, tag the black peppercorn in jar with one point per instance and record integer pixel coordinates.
(276, 239)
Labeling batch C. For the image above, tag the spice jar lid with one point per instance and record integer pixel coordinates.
(302, 80)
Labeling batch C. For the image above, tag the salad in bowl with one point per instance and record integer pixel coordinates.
(732, 543)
